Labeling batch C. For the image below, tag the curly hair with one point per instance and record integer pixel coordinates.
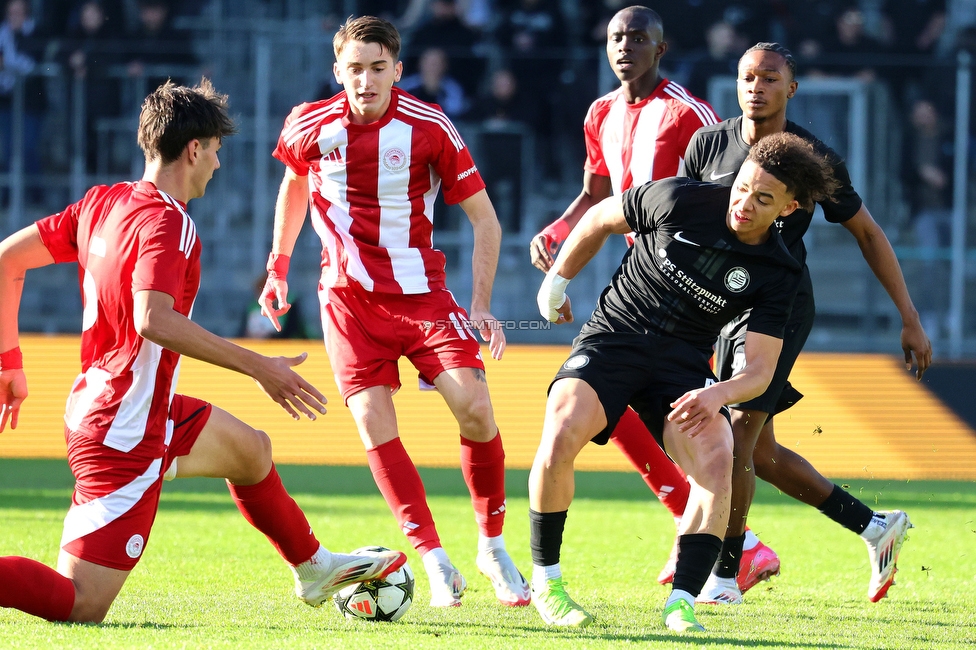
(808, 176)
(174, 115)
(368, 29)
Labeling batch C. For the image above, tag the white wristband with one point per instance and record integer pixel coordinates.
(552, 295)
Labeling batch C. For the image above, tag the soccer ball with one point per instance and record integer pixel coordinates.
(377, 600)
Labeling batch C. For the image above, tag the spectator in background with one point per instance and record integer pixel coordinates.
(506, 118)
(913, 29)
(808, 26)
(65, 17)
(721, 58)
(533, 35)
(21, 47)
(155, 42)
(89, 52)
(446, 30)
(433, 85)
(504, 103)
(850, 51)
(929, 188)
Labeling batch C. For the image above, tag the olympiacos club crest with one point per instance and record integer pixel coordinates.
(394, 159)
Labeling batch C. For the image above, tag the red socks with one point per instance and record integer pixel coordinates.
(664, 477)
(270, 509)
(397, 478)
(35, 588)
(483, 467)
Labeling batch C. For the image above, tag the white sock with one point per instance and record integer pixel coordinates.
(490, 543)
(313, 566)
(435, 560)
(751, 541)
(541, 574)
(878, 525)
(679, 594)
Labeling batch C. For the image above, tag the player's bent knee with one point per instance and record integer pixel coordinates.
(477, 419)
(712, 462)
(766, 460)
(259, 450)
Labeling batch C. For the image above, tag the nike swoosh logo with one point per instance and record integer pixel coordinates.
(678, 237)
(713, 176)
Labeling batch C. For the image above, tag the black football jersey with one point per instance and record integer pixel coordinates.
(716, 152)
(687, 274)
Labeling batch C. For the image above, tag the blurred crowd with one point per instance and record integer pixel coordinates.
(522, 71)
(104, 42)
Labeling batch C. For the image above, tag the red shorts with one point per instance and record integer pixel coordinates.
(116, 495)
(366, 333)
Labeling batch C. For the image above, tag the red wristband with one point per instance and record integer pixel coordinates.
(11, 360)
(278, 266)
(557, 231)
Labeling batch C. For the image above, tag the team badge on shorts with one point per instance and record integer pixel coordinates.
(135, 545)
(394, 159)
(737, 279)
(576, 362)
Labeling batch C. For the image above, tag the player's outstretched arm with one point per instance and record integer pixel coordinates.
(545, 244)
(880, 256)
(157, 321)
(696, 409)
(290, 209)
(484, 263)
(586, 240)
(19, 252)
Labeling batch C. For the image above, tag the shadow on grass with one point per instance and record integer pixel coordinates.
(451, 630)
(446, 631)
(20, 474)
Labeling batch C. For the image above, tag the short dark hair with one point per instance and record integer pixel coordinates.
(776, 48)
(174, 115)
(808, 176)
(368, 29)
(651, 15)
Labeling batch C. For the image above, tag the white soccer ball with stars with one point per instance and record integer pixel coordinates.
(377, 600)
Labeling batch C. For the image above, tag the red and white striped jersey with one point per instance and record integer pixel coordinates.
(646, 141)
(372, 188)
(126, 238)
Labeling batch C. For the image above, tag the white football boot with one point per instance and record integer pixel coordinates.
(511, 587)
(317, 579)
(883, 551)
(720, 591)
(447, 585)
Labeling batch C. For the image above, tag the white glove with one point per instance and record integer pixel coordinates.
(552, 295)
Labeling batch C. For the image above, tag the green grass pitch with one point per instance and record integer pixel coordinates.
(208, 580)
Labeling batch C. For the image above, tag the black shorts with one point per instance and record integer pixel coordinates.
(730, 355)
(644, 371)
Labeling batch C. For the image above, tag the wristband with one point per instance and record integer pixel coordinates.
(552, 295)
(556, 232)
(11, 359)
(278, 266)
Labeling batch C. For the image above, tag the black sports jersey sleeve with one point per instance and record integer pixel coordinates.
(773, 306)
(693, 157)
(645, 204)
